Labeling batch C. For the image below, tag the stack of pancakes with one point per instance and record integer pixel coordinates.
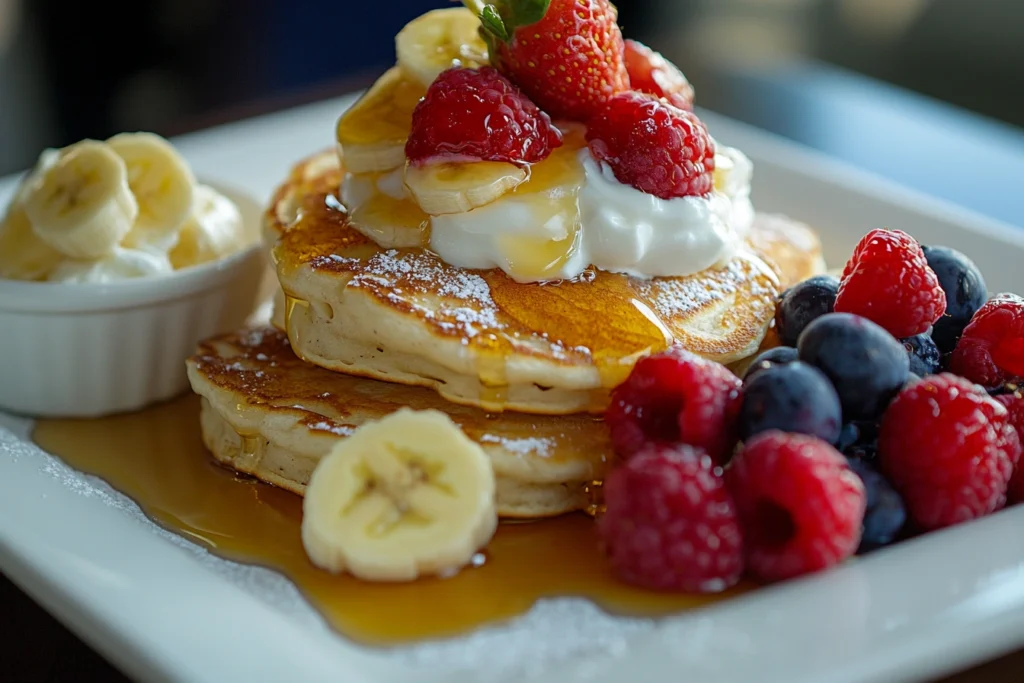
(359, 331)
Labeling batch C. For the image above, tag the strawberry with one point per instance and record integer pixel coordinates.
(651, 73)
(566, 55)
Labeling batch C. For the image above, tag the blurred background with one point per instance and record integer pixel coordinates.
(859, 79)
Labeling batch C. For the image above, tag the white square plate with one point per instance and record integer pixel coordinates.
(166, 610)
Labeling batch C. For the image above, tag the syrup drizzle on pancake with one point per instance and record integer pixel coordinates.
(604, 319)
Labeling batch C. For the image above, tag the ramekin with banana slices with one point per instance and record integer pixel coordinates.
(114, 262)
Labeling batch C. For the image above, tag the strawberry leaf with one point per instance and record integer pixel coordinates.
(519, 13)
(493, 23)
(500, 19)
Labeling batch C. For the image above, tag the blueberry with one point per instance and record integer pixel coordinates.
(849, 436)
(924, 354)
(792, 398)
(965, 291)
(885, 514)
(866, 451)
(859, 440)
(802, 303)
(866, 365)
(780, 355)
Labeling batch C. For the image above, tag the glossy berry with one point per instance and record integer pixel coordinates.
(675, 397)
(888, 281)
(865, 364)
(799, 504)
(802, 303)
(791, 398)
(569, 60)
(653, 146)
(1014, 403)
(859, 441)
(885, 515)
(780, 355)
(991, 350)
(651, 73)
(923, 354)
(849, 436)
(965, 290)
(949, 449)
(477, 114)
(670, 524)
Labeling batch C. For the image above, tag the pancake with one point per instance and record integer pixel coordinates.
(268, 414)
(791, 247)
(481, 339)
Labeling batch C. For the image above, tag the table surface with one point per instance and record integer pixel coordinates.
(884, 130)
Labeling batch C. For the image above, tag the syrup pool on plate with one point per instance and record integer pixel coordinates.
(157, 458)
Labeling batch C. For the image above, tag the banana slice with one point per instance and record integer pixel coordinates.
(439, 40)
(213, 231)
(82, 205)
(162, 183)
(380, 207)
(47, 158)
(371, 135)
(23, 256)
(444, 188)
(404, 497)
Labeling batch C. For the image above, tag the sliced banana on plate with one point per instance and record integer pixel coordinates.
(161, 181)
(23, 256)
(82, 205)
(407, 496)
(443, 188)
(439, 40)
(371, 134)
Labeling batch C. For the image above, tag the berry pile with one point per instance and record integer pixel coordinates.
(566, 60)
(893, 407)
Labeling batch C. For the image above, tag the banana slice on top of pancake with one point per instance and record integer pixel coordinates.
(439, 40)
(407, 496)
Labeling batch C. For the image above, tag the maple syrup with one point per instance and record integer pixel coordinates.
(157, 458)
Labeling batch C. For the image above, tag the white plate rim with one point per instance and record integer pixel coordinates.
(37, 541)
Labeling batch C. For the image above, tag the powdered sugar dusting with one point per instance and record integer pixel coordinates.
(418, 278)
(331, 427)
(522, 446)
(678, 297)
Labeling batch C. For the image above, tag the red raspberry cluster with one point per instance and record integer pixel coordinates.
(567, 60)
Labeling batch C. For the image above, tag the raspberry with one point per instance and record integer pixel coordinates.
(669, 522)
(949, 449)
(653, 146)
(800, 505)
(478, 115)
(991, 350)
(676, 397)
(888, 281)
(651, 73)
(569, 62)
(1015, 407)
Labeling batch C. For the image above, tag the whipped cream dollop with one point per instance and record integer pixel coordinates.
(593, 219)
(633, 232)
(120, 264)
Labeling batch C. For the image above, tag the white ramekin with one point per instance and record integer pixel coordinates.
(86, 350)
